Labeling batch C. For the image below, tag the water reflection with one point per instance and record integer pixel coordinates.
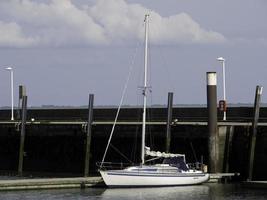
(184, 192)
(201, 192)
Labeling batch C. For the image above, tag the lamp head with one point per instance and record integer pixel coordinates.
(9, 68)
(221, 59)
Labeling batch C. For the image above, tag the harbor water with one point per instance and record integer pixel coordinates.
(201, 192)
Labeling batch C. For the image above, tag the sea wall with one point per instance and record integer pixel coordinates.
(58, 149)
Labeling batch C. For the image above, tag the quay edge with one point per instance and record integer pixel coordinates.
(55, 139)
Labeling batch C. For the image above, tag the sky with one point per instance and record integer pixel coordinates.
(62, 50)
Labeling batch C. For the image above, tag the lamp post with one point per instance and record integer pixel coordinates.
(222, 60)
(12, 88)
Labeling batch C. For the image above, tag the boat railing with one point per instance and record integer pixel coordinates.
(112, 165)
(197, 166)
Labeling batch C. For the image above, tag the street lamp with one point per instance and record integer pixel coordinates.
(222, 60)
(12, 88)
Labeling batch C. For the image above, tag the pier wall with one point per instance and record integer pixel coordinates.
(59, 149)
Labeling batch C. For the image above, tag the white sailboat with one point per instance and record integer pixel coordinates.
(172, 172)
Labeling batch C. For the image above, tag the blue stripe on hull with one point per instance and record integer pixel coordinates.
(155, 175)
(149, 186)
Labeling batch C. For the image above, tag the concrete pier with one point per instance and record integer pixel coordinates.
(55, 143)
(50, 183)
(77, 182)
(255, 184)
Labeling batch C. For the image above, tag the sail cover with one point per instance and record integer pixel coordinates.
(161, 154)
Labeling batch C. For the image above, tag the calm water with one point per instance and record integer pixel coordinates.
(208, 191)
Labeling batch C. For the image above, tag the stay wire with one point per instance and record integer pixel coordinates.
(118, 151)
(121, 101)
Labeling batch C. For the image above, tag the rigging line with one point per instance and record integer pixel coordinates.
(153, 159)
(163, 65)
(133, 153)
(150, 63)
(194, 152)
(121, 101)
(140, 73)
(120, 153)
(150, 100)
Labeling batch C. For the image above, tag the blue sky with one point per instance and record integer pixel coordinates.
(62, 50)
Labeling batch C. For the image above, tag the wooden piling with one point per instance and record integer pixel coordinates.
(256, 112)
(22, 135)
(22, 92)
(88, 135)
(227, 148)
(169, 121)
(212, 121)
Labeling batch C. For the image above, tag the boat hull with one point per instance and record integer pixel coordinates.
(120, 178)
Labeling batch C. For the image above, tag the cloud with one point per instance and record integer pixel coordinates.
(12, 36)
(56, 23)
(181, 28)
(62, 23)
(124, 21)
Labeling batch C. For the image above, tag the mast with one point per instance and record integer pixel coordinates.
(144, 92)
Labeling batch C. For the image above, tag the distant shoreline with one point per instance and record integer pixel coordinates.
(131, 106)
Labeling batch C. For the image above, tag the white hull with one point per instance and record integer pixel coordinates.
(121, 178)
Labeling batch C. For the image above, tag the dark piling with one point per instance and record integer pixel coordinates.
(228, 147)
(256, 112)
(169, 121)
(22, 135)
(212, 122)
(88, 135)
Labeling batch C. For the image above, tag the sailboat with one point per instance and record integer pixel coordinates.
(173, 171)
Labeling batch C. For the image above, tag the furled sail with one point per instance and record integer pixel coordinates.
(148, 152)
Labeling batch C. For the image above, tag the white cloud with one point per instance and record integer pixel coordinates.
(123, 21)
(12, 36)
(60, 22)
(181, 28)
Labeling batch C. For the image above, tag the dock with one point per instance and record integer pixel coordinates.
(77, 182)
(222, 177)
(56, 139)
(50, 183)
(255, 184)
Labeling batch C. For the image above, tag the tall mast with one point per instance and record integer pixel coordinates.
(144, 91)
